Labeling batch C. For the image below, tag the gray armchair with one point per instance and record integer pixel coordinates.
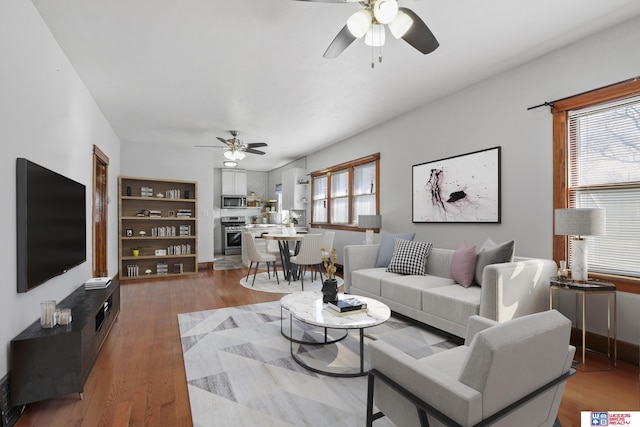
(505, 374)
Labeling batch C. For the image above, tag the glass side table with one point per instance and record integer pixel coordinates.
(585, 288)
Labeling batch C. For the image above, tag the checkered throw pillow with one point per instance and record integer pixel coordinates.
(410, 257)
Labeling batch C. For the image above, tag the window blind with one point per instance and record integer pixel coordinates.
(604, 172)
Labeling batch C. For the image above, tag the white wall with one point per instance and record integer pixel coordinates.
(179, 163)
(488, 114)
(47, 116)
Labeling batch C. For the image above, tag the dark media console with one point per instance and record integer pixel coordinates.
(51, 362)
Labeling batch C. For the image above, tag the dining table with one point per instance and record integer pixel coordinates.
(285, 240)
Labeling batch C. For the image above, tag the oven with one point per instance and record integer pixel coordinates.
(232, 228)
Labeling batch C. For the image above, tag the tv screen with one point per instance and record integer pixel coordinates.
(51, 224)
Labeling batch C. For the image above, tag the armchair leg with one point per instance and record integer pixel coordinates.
(371, 417)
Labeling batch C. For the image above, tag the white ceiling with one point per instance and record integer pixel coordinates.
(181, 72)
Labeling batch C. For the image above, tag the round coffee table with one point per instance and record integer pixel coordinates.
(307, 307)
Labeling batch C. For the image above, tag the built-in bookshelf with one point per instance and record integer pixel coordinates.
(157, 227)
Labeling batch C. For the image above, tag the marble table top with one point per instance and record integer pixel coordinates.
(308, 307)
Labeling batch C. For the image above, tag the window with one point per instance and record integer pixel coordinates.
(597, 158)
(342, 192)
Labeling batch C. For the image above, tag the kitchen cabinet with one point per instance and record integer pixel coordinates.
(234, 182)
(295, 189)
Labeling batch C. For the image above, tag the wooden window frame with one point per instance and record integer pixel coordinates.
(373, 158)
(560, 111)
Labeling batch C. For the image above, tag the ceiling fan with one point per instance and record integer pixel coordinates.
(370, 23)
(235, 148)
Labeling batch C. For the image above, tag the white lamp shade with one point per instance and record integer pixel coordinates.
(385, 11)
(369, 221)
(240, 155)
(229, 155)
(580, 222)
(359, 23)
(375, 36)
(400, 25)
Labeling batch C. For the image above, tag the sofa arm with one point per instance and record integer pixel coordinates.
(357, 257)
(515, 289)
(428, 383)
(477, 324)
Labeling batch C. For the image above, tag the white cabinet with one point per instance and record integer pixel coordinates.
(234, 182)
(295, 189)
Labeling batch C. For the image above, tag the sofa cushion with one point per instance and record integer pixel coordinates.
(409, 257)
(387, 246)
(463, 264)
(453, 303)
(368, 279)
(490, 253)
(407, 290)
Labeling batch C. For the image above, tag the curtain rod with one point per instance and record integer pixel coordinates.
(550, 104)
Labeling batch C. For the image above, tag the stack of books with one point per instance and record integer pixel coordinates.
(184, 213)
(97, 283)
(348, 306)
(146, 191)
(155, 213)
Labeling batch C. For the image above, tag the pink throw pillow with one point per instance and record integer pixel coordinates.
(463, 264)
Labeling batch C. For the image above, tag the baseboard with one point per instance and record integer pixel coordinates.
(627, 352)
(205, 266)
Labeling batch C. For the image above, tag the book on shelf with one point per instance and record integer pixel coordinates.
(97, 283)
(347, 305)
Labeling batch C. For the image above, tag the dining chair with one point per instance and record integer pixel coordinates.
(254, 255)
(327, 240)
(310, 254)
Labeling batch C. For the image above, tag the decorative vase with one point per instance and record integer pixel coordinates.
(136, 252)
(330, 290)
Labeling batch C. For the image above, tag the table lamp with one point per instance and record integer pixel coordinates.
(579, 222)
(369, 222)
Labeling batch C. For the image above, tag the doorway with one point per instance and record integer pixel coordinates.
(100, 212)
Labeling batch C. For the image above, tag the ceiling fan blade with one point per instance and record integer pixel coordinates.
(340, 43)
(223, 140)
(419, 35)
(252, 151)
(256, 144)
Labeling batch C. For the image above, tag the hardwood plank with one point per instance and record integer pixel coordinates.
(139, 377)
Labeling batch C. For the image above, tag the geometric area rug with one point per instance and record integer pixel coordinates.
(240, 372)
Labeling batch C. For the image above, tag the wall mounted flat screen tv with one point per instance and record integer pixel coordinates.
(51, 224)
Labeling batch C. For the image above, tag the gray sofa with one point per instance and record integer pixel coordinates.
(508, 290)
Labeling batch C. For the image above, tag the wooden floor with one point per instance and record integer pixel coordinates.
(139, 378)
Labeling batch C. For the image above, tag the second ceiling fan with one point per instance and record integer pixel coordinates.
(370, 23)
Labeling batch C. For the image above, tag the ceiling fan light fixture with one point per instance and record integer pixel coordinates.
(230, 163)
(240, 155)
(359, 23)
(375, 36)
(385, 11)
(400, 25)
(229, 154)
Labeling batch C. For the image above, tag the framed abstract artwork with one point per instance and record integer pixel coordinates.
(462, 189)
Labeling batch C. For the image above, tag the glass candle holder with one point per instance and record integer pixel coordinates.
(63, 316)
(47, 314)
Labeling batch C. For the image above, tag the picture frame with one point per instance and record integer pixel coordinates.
(171, 214)
(128, 232)
(461, 189)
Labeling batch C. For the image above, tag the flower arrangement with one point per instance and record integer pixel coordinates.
(329, 262)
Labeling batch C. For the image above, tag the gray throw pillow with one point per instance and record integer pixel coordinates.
(387, 246)
(410, 257)
(493, 255)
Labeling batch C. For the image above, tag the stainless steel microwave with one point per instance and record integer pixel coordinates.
(234, 202)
